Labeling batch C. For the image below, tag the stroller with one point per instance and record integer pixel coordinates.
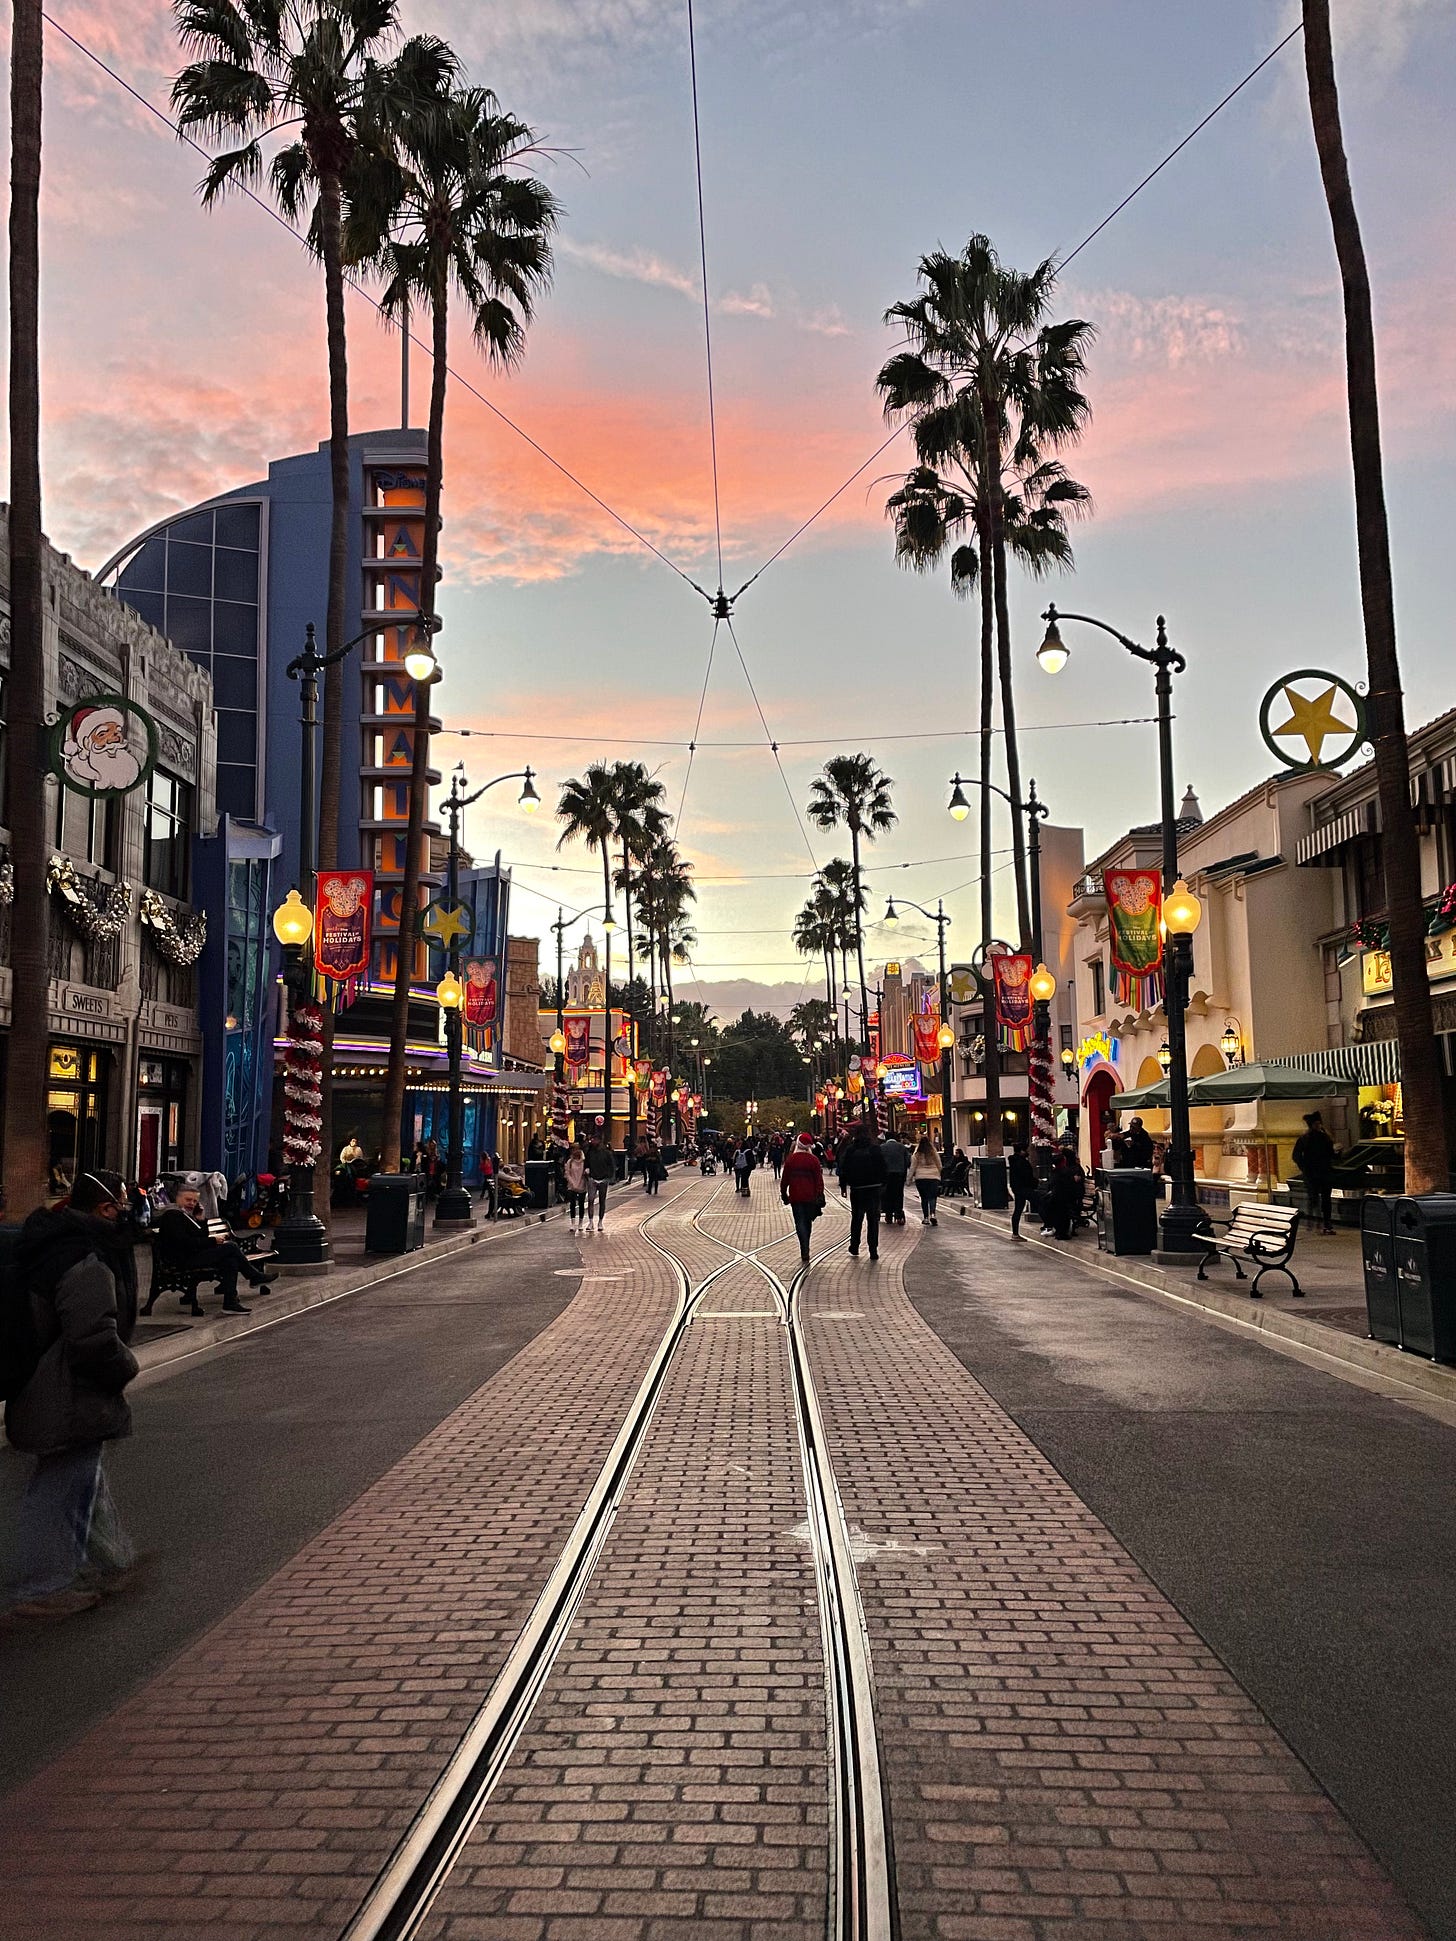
(708, 1163)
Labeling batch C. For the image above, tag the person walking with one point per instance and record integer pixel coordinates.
(742, 1167)
(776, 1155)
(896, 1156)
(1021, 1177)
(601, 1169)
(653, 1169)
(801, 1187)
(574, 1175)
(183, 1243)
(1314, 1155)
(862, 1175)
(925, 1178)
(73, 1264)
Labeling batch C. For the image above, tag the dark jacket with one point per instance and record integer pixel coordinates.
(1137, 1147)
(181, 1238)
(1022, 1175)
(861, 1166)
(601, 1162)
(83, 1300)
(896, 1158)
(802, 1180)
(1314, 1154)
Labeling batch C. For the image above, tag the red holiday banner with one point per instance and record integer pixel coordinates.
(342, 922)
(926, 1026)
(578, 1042)
(1012, 970)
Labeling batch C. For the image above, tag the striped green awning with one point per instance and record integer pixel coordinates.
(1373, 1062)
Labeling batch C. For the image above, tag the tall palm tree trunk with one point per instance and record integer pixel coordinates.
(336, 622)
(991, 1062)
(409, 889)
(991, 419)
(25, 1095)
(631, 1014)
(1426, 1147)
(864, 989)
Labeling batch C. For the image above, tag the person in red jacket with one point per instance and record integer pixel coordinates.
(801, 1187)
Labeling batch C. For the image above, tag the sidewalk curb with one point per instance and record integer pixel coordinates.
(334, 1284)
(1356, 1351)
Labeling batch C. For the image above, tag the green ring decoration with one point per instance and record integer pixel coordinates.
(1340, 685)
(57, 735)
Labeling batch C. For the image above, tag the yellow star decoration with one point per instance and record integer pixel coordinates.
(1314, 721)
(443, 925)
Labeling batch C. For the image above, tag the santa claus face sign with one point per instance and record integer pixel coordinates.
(103, 745)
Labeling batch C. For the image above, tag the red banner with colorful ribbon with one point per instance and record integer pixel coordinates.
(1012, 970)
(1135, 933)
(341, 922)
(926, 1027)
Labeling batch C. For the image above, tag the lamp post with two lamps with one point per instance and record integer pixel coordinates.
(1183, 1219)
(453, 1207)
(945, 1036)
(302, 1239)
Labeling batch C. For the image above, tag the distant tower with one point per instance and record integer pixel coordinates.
(586, 988)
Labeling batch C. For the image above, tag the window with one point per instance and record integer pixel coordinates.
(169, 834)
(1099, 988)
(1365, 878)
(86, 827)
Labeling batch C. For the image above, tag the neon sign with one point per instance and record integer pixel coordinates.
(1099, 1045)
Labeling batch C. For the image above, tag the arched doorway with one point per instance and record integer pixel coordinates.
(1096, 1097)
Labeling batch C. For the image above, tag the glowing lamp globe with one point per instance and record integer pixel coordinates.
(1165, 1058)
(558, 1042)
(945, 1037)
(1053, 653)
(892, 915)
(528, 799)
(1043, 985)
(1182, 911)
(960, 808)
(450, 991)
(293, 922)
(420, 663)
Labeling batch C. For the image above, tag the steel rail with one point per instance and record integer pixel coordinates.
(405, 1888)
(863, 1904)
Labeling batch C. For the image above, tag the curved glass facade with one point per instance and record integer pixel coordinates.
(198, 580)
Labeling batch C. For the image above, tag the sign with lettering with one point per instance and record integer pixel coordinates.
(341, 926)
(1097, 1045)
(1375, 977)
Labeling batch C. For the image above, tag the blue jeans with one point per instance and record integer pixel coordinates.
(67, 1521)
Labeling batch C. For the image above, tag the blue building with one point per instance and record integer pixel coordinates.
(234, 583)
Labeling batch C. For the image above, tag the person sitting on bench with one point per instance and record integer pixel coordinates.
(185, 1248)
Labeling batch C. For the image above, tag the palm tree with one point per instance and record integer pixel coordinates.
(816, 935)
(991, 390)
(665, 889)
(940, 500)
(640, 823)
(264, 69)
(24, 1143)
(588, 813)
(853, 791)
(1426, 1152)
(446, 207)
(845, 903)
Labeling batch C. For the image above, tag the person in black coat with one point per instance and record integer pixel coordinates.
(1314, 1155)
(1137, 1145)
(1021, 1177)
(184, 1244)
(862, 1176)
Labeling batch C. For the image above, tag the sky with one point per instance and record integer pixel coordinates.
(840, 140)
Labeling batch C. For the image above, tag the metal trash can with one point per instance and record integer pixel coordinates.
(1424, 1228)
(1130, 1219)
(1377, 1251)
(394, 1220)
(541, 1183)
(991, 1188)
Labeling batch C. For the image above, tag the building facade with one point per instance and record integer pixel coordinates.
(600, 1047)
(235, 583)
(125, 1045)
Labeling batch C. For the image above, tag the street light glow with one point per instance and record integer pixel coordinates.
(892, 915)
(960, 808)
(1053, 653)
(293, 922)
(1182, 910)
(528, 799)
(1043, 985)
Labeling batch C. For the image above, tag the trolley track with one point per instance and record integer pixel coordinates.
(861, 1904)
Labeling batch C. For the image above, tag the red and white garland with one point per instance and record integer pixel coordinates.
(1039, 1087)
(302, 1090)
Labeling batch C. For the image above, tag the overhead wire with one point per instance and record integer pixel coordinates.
(707, 307)
(792, 741)
(1091, 236)
(420, 343)
(773, 745)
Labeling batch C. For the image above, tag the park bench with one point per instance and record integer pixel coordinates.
(1263, 1235)
(171, 1277)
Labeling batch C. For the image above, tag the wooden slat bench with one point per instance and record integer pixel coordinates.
(1264, 1235)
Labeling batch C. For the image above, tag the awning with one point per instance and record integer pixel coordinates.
(1379, 1025)
(1330, 836)
(1372, 1062)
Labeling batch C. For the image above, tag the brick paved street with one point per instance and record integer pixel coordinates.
(1066, 1756)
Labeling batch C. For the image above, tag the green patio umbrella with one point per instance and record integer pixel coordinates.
(1248, 1083)
(1140, 1097)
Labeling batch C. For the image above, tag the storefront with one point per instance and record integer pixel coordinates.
(78, 1088)
(162, 1086)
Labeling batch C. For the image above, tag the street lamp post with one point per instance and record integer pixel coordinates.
(945, 1037)
(453, 1208)
(558, 1036)
(302, 1239)
(1183, 1218)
